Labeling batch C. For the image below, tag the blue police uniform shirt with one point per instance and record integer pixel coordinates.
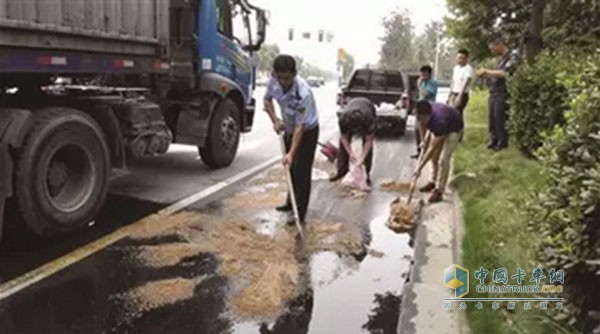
(298, 106)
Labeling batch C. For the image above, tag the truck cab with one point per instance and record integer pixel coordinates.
(87, 87)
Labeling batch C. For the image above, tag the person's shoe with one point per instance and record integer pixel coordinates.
(427, 188)
(335, 178)
(491, 146)
(499, 148)
(415, 156)
(284, 208)
(369, 183)
(436, 196)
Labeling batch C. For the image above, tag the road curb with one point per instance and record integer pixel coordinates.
(438, 244)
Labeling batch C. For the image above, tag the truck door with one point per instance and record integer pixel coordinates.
(230, 60)
(182, 31)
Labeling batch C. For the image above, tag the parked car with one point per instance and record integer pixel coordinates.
(262, 82)
(384, 88)
(313, 82)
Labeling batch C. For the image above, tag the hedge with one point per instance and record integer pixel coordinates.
(567, 212)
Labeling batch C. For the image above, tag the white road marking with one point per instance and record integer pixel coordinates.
(28, 279)
(32, 277)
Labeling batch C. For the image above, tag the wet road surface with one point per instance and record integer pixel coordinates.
(151, 184)
(336, 291)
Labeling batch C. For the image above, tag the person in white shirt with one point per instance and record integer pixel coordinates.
(462, 77)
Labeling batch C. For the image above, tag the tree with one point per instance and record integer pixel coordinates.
(534, 42)
(397, 49)
(473, 22)
(266, 57)
(568, 22)
(533, 24)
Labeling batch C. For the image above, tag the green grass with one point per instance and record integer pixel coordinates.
(496, 229)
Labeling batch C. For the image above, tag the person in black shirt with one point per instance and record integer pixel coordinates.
(498, 100)
(357, 119)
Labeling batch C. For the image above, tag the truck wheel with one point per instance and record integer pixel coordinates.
(63, 172)
(223, 136)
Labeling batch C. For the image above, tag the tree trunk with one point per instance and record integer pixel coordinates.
(534, 42)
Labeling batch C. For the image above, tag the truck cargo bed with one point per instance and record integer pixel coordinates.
(126, 27)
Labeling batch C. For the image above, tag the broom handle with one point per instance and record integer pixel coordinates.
(290, 185)
(413, 183)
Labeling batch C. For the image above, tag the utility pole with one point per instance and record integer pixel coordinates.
(436, 66)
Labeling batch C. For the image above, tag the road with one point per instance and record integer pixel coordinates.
(192, 272)
(180, 172)
(153, 183)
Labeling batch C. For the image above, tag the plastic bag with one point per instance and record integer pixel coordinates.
(356, 178)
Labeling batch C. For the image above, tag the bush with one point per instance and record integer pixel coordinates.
(538, 100)
(567, 212)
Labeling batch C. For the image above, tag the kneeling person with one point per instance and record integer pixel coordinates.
(444, 126)
(357, 119)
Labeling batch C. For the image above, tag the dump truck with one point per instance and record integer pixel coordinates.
(88, 85)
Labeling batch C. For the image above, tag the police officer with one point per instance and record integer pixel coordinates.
(357, 119)
(497, 103)
(300, 124)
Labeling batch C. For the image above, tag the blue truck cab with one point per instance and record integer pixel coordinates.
(227, 49)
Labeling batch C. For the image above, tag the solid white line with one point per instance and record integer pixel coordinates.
(30, 278)
(216, 187)
(34, 276)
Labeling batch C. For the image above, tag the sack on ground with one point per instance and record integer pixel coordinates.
(356, 178)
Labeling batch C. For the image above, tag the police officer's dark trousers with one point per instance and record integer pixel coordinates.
(301, 169)
(497, 115)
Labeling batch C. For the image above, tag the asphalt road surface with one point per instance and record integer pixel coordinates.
(75, 285)
(153, 183)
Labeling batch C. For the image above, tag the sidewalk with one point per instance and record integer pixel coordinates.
(437, 246)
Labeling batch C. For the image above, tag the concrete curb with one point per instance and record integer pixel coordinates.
(438, 244)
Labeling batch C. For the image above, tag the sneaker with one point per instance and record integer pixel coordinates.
(491, 146)
(284, 208)
(427, 188)
(500, 147)
(436, 197)
(415, 156)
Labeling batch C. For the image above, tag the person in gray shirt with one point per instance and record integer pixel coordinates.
(357, 119)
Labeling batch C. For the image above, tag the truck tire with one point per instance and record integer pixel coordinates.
(63, 172)
(223, 136)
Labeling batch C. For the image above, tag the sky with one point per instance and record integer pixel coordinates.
(355, 23)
